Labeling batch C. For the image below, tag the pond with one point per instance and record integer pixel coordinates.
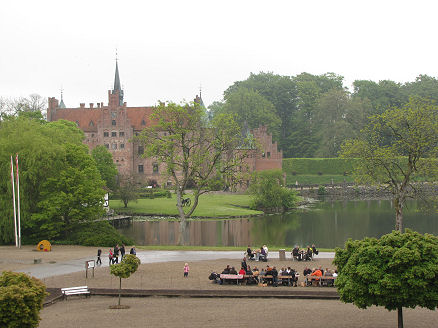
(325, 224)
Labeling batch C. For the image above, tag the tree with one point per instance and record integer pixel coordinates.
(268, 193)
(395, 148)
(126, 189)
(21, 300)
(105, 165)
(31, 106)
(194, 151)
(398, 270)
(59, 183)
(124, 269)
(252, 109)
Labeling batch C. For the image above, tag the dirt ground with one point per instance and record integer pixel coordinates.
(193, 312)
(212, 312)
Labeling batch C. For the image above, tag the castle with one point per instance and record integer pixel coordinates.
(115, 124)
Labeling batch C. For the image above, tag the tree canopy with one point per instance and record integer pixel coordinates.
(105, 165)
(127, 266)
(194, 151)
(398, 270)
(60, 186)
(396, 147)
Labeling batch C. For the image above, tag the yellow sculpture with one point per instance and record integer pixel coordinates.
(44, 246)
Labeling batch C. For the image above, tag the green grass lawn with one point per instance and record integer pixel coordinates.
(210, 205)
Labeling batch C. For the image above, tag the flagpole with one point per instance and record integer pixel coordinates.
(13, 200)
(18, 203)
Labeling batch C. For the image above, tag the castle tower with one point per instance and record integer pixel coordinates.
(116, 95)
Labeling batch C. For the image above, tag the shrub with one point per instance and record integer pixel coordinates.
(21, 299)
(97, 234)
(268, 194)
(321, 190)
(127, 267)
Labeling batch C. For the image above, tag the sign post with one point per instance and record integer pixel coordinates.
(89, 265)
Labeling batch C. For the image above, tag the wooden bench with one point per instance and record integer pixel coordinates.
(321, 281)
(81, 290)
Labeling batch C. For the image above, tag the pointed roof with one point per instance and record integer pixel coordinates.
(117, 86)
(61, 104)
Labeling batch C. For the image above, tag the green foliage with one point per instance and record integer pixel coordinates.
(59, 183)
(268, 194)
(125, 268)
(154, 193)
(105, 165)
(309, 166)
(321, 190)
(395, 148)
(398, 270)
(21, 299)
(96, 234)
(192, 149)
(126, 189)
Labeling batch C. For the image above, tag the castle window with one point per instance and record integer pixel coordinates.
(92, 135)
(107, 146)
(269, 154)
(140, 169)
(140, 150)
(263, 155)
(114, 146)
(155, 168)
(106, 134)
(143, 122)
(122, 146)
(113, 122)
(121, 134)
(77, 123)
(91, 123)
(113, 114)
(113, 134)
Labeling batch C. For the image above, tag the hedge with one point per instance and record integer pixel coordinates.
(315, 166)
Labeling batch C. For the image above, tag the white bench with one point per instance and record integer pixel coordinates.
(82, 290)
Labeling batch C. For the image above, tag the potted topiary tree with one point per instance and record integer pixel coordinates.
(127, 267)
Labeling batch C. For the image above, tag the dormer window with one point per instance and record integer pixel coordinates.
(91, 123)
(143, 122)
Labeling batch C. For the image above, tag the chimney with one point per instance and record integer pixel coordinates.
(82, 105)
(91, 105)
(98, 105)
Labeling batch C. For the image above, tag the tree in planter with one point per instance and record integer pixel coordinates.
(195, 151)
(21, 299)
(398, 270)
(127, 267)
(268, 193)
(395, 148)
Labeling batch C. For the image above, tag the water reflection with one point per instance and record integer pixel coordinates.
(328, 224)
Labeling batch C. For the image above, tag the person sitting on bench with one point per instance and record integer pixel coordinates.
(263, 256)
(314, 250)
(296, 253)
(250, 253)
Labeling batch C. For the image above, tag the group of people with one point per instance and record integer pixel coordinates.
(304, 254)
(258, 254)
(113, 254)
(255, 275)
(319, 275)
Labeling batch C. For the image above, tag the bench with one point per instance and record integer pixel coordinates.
(82, 290)
(231, 277)
(328, 281)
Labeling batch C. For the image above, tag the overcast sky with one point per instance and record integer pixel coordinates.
(167, 49)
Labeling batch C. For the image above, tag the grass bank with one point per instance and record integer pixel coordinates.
(210, 205)
(314, 179)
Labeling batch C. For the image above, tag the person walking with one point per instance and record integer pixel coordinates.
(186, 270)
(99, 261)
(110, 257)
(122, 251)
(116, 254)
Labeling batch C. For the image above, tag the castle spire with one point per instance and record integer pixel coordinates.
(61, 104)
(117, 86)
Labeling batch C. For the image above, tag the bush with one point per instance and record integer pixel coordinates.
(321, 190)
(97, 234)
(268, 194)
(21, 299)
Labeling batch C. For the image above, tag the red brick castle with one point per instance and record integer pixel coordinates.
(113, 126)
